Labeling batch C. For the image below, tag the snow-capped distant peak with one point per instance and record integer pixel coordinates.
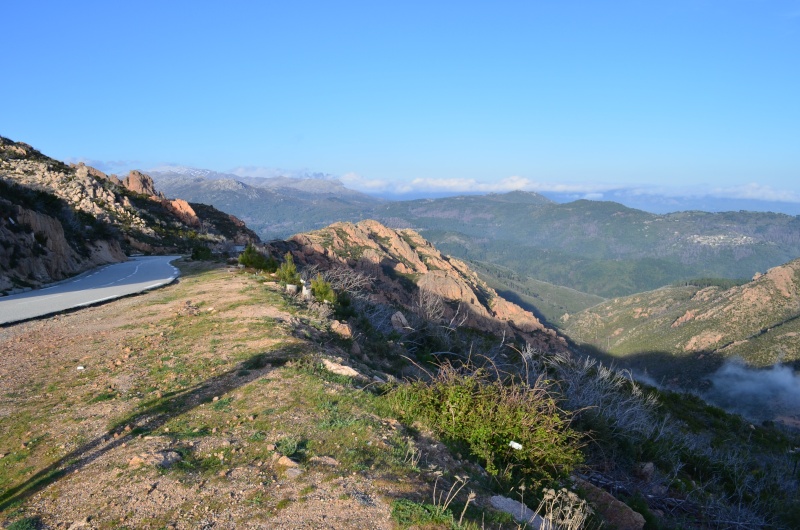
(181, 170)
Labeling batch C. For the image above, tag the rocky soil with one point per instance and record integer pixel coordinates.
(185, 408)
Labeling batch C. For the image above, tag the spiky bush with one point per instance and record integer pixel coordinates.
(486, 414)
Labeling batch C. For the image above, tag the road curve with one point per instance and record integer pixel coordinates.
(98, 285)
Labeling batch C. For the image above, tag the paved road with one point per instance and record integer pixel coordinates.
(99, 285)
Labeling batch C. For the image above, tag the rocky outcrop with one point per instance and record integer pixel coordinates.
(405, 265)
(138, 182)
(184, 212)
(615, 512)
(34, 250)
(141, 217)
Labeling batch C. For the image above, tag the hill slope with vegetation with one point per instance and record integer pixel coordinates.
(682, 335)
(57, 220)
(225, 401)
(601, 248)
(756, 321)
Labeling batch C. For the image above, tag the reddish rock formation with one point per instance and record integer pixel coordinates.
(404, 264)
(184, 212)
(138, 182)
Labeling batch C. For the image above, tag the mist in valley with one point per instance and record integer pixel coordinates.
(756, 394)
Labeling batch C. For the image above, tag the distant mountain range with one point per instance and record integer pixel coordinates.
(274, 207)
(660, 202)
(598, 247)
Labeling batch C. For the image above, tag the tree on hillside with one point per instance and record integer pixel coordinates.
(287, 273)
(255, 259)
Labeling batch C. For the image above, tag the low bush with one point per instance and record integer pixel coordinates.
(512, 427)
(201, 253)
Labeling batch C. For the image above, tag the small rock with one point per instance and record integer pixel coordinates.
(216, 398)
(136, 461)
(614, 511)
(517, 510)
(293, 472)
(81, 368)
(270, 447)
(161, 459)
(399, 322)
(342, 329)
(287, 462)
(325, 460)
(339, 369)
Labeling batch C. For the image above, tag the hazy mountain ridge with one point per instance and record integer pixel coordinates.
(603, 248)
(598, 247)
(274, 207)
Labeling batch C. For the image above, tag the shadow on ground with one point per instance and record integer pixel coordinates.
(150, 416)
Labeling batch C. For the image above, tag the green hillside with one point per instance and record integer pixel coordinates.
(601, 248)
(546, 300)
(686, 331)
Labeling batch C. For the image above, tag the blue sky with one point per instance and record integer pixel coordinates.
(582, 97)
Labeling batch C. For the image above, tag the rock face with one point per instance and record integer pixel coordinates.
(35, 249)
(57, 220)
(138, 182)
(615, 512)
(409, 269)
(184, 211)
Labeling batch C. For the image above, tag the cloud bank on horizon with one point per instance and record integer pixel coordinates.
(593, 191)
(671, 198)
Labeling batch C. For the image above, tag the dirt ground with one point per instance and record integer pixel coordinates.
(162, 410)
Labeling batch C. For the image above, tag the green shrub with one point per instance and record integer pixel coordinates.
(410, 514)
(255, 259)
(322, 290)
(287, 273)
(201, 252)
(486, 415)
(28, 523)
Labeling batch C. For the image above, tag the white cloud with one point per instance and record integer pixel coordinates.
(512, 183)
(357, 182)
(751, 191)
(755, 191)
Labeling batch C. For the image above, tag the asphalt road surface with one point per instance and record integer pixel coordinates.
(105, 283)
